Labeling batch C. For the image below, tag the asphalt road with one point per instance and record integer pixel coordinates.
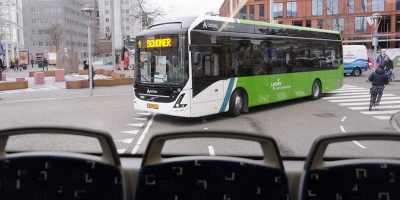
(294, 124)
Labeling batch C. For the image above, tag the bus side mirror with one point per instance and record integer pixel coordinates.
(196, 58)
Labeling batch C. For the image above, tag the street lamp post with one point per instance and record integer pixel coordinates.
(271, 11)
(375, 17)
(89, 9)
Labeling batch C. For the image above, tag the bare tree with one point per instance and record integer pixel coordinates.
(55, 35)
(337, 17)
(147, 13)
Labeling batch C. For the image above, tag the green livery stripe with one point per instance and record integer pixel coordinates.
(227, 95)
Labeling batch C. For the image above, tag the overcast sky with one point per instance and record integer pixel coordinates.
(189, 7)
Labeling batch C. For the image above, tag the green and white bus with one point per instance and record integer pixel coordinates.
(197, 66)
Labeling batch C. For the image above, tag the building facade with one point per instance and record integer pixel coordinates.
(347, 16)
(121, 20)
(11, 29)
(57, 25)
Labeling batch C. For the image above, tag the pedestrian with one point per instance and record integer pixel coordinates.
(32, 61)
(16, 65)
(13, 63)
(381, 57)
(93, 73)
(388, 66)
(45, 63)
(368, 63)
(379, 80)
(1, 65)
(86, 65)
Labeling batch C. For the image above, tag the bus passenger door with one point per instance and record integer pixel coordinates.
(207, 84)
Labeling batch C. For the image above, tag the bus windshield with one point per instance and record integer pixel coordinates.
(159, 61)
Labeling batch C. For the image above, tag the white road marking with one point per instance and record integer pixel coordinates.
(121, 151)
(134, 151)
(367, 103)
(144, 113)
(138, 125)
(349, 86)
(131, 132)
(355, 142)
(357, 96)
(363, 99)
(383, 117)
(341, 128)
(144, 133)
(140, 139)
(343, 118)
(350, 100)
(128, 141)
(205, 128)
(211, 150)
(348, 89)
(381, 112)
(356, 93)
(347, 92)
(377, 107)
(143, 119)
(44, 89)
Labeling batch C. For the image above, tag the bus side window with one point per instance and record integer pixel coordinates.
(197, 63)
(196, 58)
(207, 65)
(215, 62)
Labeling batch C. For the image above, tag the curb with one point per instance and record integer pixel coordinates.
(394, 122)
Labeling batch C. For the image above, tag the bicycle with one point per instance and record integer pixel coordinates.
(374, 91)
(4, 69)
(391, 78)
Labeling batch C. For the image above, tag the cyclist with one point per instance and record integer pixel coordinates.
(388, 65)
(379, 79)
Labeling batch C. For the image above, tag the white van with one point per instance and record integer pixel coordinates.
(355, 59)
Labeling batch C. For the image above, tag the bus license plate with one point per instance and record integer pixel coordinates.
(154, 106)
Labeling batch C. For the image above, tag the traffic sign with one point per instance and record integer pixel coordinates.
(1, 49)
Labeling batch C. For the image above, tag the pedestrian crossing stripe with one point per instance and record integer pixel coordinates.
(358, 99)
(355, 96)
(361, 99)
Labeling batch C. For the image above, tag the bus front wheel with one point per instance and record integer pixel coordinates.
(235, 103)
(356, 72)
(316, 90)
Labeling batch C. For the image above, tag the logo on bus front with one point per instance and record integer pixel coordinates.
(277, 85)
(151, 91)
(210, 25)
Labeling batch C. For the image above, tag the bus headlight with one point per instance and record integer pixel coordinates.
(178, 102)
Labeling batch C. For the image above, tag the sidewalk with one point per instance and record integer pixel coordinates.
(25, 73)
(50, 83)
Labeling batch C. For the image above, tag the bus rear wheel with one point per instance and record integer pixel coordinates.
(235, 104)
(316, 90)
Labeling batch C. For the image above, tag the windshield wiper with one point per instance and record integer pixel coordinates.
(172, 90)
(144, 78)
